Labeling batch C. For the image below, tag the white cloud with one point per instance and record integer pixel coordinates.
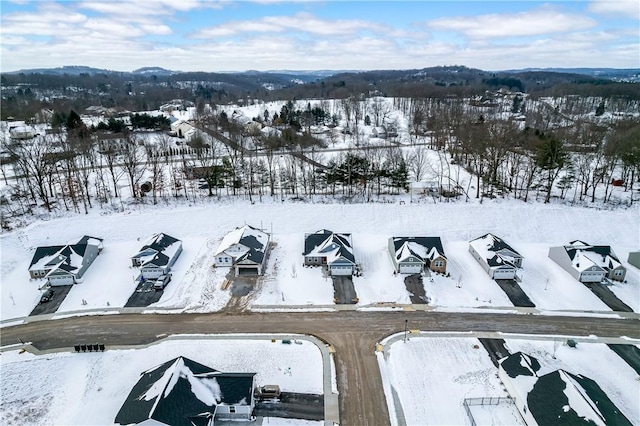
(545, 20)
(628, 8)
(301, 22)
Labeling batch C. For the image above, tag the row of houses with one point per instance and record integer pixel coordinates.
(246, 250)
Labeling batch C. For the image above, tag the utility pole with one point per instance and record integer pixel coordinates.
(405, 330)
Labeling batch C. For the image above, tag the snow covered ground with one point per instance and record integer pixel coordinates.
(90, 388)
(529, 228)
(427, 378)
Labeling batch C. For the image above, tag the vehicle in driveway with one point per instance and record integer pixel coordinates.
(267, 392)
(47, 296)
(162, 281)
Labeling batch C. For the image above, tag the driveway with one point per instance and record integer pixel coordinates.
(515, 294)
(607, 297)
(144, 295)
(415, 287)
(292, 406)
(50, 307)
(344, 293)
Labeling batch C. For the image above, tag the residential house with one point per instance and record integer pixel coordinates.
(496, 257)
(182, 392)
(111, 142)
(157, 255)
(411, 255)
(587, 263)
(65, 264)
(183, 129)
(335, 251)
(558, 397)
(245, 249)
(634, 258)
(21, 132)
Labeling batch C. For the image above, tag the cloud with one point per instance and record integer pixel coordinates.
(628, 8)
(545, 20)
(301, 22)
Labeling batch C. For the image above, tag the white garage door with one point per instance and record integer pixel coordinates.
(341, 270)
(410, 269)
(503, 274)
(64, 280)
(592, 277)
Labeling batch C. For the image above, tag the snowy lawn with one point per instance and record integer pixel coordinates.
(594, 360)
(90, 388)
(430, 377)
(202, 225)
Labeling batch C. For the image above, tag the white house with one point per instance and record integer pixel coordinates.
(245, 249)
(335, 251)
(65, 264)
(157, 255)
(411, 255)
(496, 257)
(588, 263)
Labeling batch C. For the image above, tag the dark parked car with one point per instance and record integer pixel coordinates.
(47, 295)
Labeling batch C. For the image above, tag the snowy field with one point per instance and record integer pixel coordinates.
(429, 377)
(196, 286)
(90, 388)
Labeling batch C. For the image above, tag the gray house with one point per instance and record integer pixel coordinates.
(587, 263)
(558, 397)
(411, 255)
(634, 258)
(157, 255)
(245, 249)
(335, 251)
(496, 257)
(65, 265)
(182, 392)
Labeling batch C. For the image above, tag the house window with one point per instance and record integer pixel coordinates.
(438, 263)
(617, 273)
(232, 409)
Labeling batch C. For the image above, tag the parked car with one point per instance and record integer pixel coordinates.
(267, 392)
(47, 296)
(162, 281)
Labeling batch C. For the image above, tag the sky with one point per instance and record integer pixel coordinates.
(223, 35)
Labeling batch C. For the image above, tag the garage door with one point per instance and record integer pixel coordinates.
(341, 270)
(247, 271)
(592, 277)
(503, 274)
(410, 269)
(66, 280)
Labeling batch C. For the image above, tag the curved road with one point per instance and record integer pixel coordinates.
(352, 334)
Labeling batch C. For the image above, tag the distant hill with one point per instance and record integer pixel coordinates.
(154, 71)
(67, 69)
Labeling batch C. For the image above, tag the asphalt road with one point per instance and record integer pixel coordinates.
(353, 334)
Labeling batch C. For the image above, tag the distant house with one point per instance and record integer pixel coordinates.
(634, 258)
(335, 251)
(411, 255)
(65, 264)
(111, 142)
(558, 397)
(497, 257)
(157, 255)
(182, 392)
(588, 263)
(21, 132)
(183, 129)
(245, 249)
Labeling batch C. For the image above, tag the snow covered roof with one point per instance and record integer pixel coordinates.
(559, 397)
(69, 257)
(325, 243)
(495, 250)
(424, 248)
(158, 250)
(584, 256)
(252, 239)
(181, 391)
